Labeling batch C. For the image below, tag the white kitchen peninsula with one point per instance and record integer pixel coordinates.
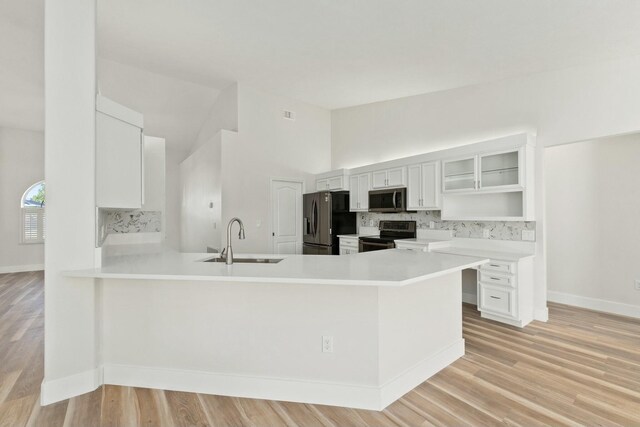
(357, 331)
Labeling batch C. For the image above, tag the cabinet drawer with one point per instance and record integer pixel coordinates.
(497, 279)
(348, 243)
(497, 300)
(499, 266)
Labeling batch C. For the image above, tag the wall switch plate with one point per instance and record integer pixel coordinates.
(637, 284)
(529, 235)
(432, 224)
(486, 233)
(327, 344)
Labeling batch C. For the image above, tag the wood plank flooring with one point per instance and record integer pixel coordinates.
(580, 368)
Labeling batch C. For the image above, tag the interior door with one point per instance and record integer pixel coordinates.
(287, 218)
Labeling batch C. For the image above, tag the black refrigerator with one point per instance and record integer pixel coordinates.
(325, 215)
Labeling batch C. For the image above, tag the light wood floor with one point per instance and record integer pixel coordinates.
(580, 368)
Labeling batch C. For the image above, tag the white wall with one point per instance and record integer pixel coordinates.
(200, 186)
(269, 146)
(71, 348)
(21, 166)
(562, 106)
(593, 212)
(223, 115)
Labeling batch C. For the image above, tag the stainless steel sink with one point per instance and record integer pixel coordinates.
(247, 260)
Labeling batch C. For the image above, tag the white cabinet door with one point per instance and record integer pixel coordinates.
(322, 184)
(363, 192)
(336, 183)
(500, 170)
(379, 179)
(414, 187)
(154, 174)
(423, 187)
(118, 163)
(353, 193)
(430, 180)
(395, 177)
(459, 175)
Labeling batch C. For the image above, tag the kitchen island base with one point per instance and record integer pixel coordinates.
(265, 341)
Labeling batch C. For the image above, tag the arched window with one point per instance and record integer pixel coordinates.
(33, 219)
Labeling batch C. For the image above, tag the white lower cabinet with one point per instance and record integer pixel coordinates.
(505, 291)
(497, 299)
(348, 245)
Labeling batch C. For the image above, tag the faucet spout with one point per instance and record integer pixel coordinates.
(229, 250)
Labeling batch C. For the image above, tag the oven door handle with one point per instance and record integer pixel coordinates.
(394, 200)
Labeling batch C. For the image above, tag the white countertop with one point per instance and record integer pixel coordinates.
(391, 267)
(478, 252)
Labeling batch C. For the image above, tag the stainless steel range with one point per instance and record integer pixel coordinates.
(389, 232)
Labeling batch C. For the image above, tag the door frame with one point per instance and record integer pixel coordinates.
(272, 179)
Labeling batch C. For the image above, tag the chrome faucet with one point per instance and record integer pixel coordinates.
(228, 249)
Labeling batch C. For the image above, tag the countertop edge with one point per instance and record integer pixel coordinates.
(93, 274)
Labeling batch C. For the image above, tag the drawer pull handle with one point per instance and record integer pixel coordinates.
(494, 297)
(494, 265)
(494, 278)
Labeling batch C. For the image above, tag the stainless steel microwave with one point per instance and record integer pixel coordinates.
(388, 200)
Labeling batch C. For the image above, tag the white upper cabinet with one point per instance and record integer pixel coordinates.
(154, 174)
(359, 193)
(500, 170)
(395, 177)
(332, 184)
(119, 156)
(333, 181)
(423, 186)
(460, 174)
(491, 171)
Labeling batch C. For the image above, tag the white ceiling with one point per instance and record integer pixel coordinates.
(326, 52)
(337, 53)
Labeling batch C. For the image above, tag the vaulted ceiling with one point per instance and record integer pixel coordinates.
(329, 53)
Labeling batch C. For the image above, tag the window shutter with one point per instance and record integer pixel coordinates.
(33, 222)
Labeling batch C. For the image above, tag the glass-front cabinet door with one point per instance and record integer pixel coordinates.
(500, 170)
(459, 174)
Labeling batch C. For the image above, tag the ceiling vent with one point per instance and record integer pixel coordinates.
(289, 115)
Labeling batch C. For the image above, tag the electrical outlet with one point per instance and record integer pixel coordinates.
(637, 284)
(370, 223)
(486, 233)
(432, 224)
(529, 235)
(327, 344)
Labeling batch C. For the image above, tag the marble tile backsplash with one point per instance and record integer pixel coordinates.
(498, 230)
(134, 221)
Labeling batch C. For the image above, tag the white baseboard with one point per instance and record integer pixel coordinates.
(336, 394)
(595, 304)
(21, 268)
(425, 369)
(291, 390)
(470, 298)
(53, 391)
